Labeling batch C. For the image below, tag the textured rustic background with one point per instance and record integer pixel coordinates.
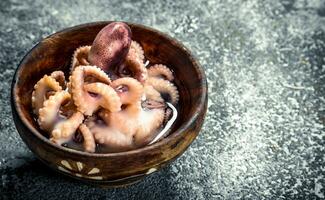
(264, 133)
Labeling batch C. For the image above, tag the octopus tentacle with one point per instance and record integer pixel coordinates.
(64, 130)
(152, 94)
(49, 112)
(149, 121)
(80, 57)
(164, 86)
(123, 121)
(96, 73)
(114, 140)
(132, 127)
(135, 66)
(89, 140)
(82, 99)
(59, 77)
(137, 128)
(41, 90)
(136, 49)
(118, 132)
(136, 124)
(159, 71)
(129, 89)
(108, 97)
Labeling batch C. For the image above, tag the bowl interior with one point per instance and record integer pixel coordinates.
(55, 52)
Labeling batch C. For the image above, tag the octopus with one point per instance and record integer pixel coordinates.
(56, 113)
(111, 100)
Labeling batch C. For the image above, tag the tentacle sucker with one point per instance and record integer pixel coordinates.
(80, 57)
(161, 71)
(137, 50)
(59, 77)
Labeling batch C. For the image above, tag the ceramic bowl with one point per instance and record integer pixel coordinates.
(110, 169)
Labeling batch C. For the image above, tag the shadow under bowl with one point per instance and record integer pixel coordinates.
(110, 169)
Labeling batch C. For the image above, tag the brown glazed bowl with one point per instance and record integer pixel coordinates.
(110, 169)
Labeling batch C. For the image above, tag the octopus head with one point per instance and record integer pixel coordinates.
(110, 46)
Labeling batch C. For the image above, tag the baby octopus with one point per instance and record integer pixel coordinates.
(134, 124)
(112, 102)
(56, 113)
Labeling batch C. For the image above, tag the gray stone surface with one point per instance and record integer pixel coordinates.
(263, 136)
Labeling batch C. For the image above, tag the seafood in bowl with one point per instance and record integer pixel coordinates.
(114, 99)
(125, 166)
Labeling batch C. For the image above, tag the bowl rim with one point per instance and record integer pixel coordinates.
(181, 129)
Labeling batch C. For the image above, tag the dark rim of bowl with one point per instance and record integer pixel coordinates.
(184, 126)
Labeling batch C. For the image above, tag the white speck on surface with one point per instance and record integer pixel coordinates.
(319, 187)
(151, 170)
